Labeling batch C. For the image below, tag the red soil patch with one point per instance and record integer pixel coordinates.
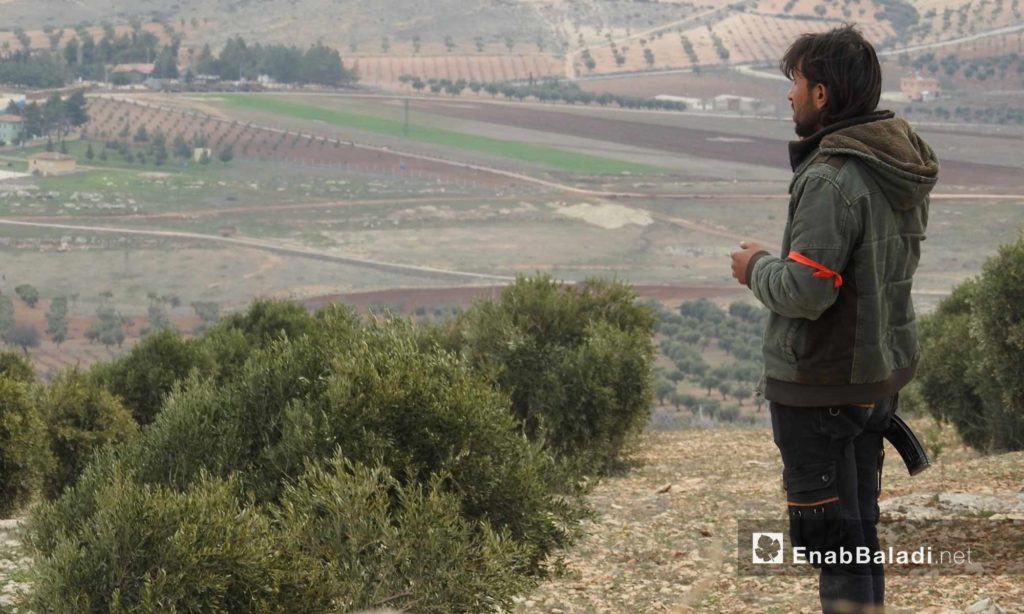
(77, 351)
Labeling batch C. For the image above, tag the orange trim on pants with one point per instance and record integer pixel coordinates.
(822, 502)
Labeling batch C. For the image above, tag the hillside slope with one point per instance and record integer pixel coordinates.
(657, 550)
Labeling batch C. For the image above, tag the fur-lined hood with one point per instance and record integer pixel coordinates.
(898, 159)
(902, 163)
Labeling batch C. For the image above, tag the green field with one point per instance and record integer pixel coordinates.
(116, 187)
(555, 158)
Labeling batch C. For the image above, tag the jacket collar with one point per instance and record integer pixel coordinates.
(799, 150)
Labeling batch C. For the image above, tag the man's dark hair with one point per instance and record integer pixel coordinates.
(845, 63)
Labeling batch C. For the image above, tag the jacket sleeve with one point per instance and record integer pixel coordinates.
(824, 229)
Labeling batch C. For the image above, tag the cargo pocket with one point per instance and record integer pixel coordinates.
(815, 521)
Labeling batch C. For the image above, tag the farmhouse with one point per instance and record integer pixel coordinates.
(10, 127)
(51, 163)
(920, 88)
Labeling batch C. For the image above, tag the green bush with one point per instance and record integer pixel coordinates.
(143, 377)
(999, 329)
(473, 507)
(233, 339)
(344, 536)
(970, 372)
(24, 458)
(729, 413)
(154, 549)
(379, 396)
(14, 366)
(81, 416)
(267, 320)
(360, 539)
(576, 362)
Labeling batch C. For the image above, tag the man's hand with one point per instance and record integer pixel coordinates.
(741, 258)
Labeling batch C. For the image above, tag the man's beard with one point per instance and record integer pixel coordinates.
(807, 125)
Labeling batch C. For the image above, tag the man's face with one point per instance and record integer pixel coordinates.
(807, 104)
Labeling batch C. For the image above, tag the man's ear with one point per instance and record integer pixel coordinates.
(819, 95)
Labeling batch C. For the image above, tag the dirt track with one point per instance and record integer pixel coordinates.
(277, 248)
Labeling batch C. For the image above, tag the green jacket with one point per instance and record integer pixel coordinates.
(858, 207)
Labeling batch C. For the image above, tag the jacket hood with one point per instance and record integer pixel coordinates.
(904, 166)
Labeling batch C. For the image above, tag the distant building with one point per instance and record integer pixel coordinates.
(739, 104)
(199, 152)
(920, 88)
(144, 70)
(51, 163)
(10, 128)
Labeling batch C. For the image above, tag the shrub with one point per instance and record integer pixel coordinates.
(999, 328)
(152, 548)
(14, 366)
(361, 539)
(344, 536)
(948, 372)
(80, 416)
(143, 377)
(24, 459)
(457, 513)
(377, 395)
(729, 413)
(234, 337)
(575, 362)
(28, 293)
(970, 371)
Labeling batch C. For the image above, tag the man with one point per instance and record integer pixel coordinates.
(840, 340)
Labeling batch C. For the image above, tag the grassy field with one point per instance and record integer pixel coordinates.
(549, 156)
(115, 188)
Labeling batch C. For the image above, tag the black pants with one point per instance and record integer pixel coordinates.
(832, 458)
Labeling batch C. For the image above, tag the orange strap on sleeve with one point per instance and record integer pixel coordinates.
(821, 270)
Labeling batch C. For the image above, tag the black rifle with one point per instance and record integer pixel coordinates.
(907, 444)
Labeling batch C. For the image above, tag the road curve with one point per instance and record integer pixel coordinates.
(269, 246)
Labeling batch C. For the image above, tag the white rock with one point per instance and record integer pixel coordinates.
(985, 606)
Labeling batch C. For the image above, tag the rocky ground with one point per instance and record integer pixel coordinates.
(665, 536)
(13, 564)
(665, 533)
